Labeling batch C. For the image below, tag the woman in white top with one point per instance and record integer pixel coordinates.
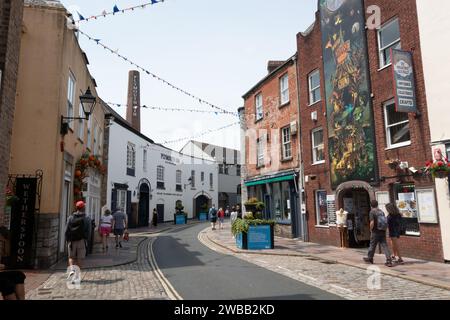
(233, 215)
(106, 228)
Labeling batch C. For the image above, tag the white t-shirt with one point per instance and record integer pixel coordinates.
(107, 221)
(233, 216)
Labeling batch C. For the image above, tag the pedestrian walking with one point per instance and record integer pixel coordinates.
(213, 216)
(378, 228)
(395, 230)
(233, 217)
(221, 216)
(155, 218)
(78, 232)
(106, 228)
(120, 224)
(239, 212)
(227, 212)
(12, 283)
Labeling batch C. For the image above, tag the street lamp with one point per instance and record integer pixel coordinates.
(88, 102)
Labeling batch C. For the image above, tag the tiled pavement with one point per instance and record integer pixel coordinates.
(341, 271)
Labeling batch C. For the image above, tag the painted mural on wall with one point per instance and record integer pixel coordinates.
(349, 106)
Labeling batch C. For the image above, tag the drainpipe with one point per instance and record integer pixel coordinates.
(302, 223)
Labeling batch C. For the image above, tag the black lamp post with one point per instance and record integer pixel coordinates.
(88, 102)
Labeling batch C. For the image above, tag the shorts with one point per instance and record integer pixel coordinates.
(213, 219)
(77, 249)
(9, 280)
(394, 235)
(105, 230)
(221, 220)
(119, 232)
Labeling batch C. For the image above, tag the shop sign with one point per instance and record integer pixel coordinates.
(404, 82)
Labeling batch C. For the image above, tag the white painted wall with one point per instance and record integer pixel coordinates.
(117, 172)
(434, 28)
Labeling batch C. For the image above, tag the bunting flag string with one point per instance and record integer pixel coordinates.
(120, 105)
(116, 52)
(204, 133)
(115, 10)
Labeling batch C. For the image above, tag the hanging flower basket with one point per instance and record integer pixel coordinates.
(86, 162)
(438, 169)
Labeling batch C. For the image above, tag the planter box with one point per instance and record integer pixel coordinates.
(203, 216)
(258, 238)
(179, 219)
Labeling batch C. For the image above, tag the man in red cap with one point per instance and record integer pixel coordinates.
(77, 234)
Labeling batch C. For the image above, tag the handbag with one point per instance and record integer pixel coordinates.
(126, 236)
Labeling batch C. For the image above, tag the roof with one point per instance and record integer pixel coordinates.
(270, 75)
(217, 156)
(45, 3)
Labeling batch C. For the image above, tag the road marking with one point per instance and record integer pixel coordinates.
(340, 288)
(170, 290)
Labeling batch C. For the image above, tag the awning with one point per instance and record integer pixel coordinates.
(270, 180)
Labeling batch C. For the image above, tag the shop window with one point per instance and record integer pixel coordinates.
(406, 200)
(321, 208)
(397, 126)
(388, 38)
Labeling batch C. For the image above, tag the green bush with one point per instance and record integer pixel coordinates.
(242, 225)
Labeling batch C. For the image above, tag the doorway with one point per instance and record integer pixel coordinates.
(357, 204)
(144, 206)
(160, 210)
(201, 202)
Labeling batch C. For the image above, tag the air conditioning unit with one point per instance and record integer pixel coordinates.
(294, 128)
(314, 116)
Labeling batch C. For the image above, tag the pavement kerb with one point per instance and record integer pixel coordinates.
(429, 282)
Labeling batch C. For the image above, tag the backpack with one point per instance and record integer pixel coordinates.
(382, 223)
(213, 213)
(75, 230)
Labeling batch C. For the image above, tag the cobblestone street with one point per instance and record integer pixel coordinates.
(343, 280)
(133, 281)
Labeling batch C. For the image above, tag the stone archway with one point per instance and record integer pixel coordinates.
(353, 185)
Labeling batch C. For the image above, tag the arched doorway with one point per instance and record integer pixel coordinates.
(355, 197)
(199, 203)
(144, 205)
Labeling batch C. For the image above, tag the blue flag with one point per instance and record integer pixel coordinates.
(81, 17)
(116, 9)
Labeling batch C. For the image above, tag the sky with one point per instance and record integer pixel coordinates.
(216, 50)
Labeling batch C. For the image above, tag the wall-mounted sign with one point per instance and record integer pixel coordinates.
(404, 82)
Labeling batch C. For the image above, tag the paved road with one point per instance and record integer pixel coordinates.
(198, 273)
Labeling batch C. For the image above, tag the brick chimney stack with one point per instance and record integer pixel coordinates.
(134, 100)
(272, 65)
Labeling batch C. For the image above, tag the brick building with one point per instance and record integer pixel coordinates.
(272, 157)
(10, 28)
(356, 147)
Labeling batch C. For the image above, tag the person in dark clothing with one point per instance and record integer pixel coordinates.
(378, 227)
(395, 230)
(239, 212)
(12, 284)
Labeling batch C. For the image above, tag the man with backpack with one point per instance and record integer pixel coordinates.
(77, 233)
(213, 216)
(378, 227)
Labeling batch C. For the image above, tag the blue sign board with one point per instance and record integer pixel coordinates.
(180, 220)
(203, 216)
(239, 241)
(259, 237)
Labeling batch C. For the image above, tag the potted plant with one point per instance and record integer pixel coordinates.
(180, 217)
(203, 215)
(10, 197)
(254, 234)
(254, 206)
(438, 169)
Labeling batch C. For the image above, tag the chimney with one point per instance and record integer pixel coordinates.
(134, 100)
(272, 65)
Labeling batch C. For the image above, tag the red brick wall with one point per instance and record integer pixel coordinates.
(429, 245)
(10, 30)
(275, 118)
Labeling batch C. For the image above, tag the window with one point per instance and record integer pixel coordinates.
(131, 159)
(89, 136)
(284, 89)
(193, 178)
(287, 147)
(70, 98)
(238, 170)
(318, 146)
(260, 152)
(227, 169)
(388, 38)
(122, 200)
(259, 107)
(221, 169)
(211, 181)
(202, 176)
(406, 201)
(81, 123)
(397, 127)
(179, 187)
(96, 147)
(321, 208)
(160, 177)
(144, 161)
(100, 142)
(314, 87)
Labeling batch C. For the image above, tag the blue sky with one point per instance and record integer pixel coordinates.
(216, 50)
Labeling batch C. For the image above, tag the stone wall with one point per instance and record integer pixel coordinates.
(47, 240)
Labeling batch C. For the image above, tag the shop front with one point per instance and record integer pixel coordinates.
(280, 196)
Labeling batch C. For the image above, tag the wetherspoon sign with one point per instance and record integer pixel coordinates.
(404, 82)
